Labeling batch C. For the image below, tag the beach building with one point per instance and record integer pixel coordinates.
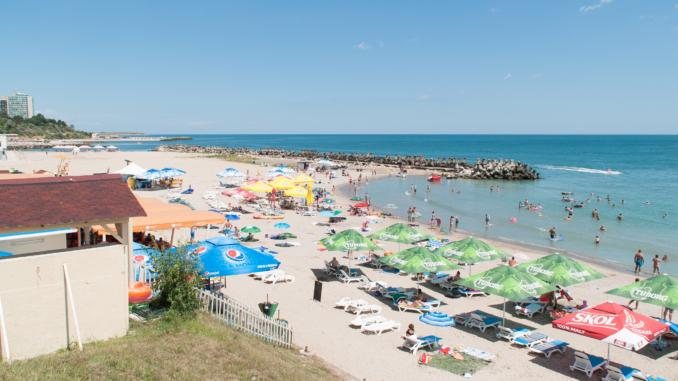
(20, 104)
(3, 104)
(56, 289)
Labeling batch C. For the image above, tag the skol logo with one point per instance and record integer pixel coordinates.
(484, 282)
(387, 236)
(604, 321)
(530, 288)
(538, 269)
(398, 259)
(351, 245)
(578, 276)
(431, 265)
(643, 293)
(486, 254)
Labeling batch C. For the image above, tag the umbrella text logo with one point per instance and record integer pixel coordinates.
(486, 254)
(578, 276)
(643, 293)
(388, 236)
(634, 326)
(235, 255)
(485, 282)
(603, 321)
(538, 269)
(430, 265)
(398, 259)
(416, 236)
(453, 252)
(351, 245)
(529, 288)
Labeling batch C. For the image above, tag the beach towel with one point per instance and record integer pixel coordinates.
(476, 353)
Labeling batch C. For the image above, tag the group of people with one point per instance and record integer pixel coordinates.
(639, 260)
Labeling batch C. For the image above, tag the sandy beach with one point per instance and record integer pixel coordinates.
(325, 330)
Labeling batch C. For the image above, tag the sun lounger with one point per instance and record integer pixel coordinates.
(464, 319)
(529, 310)
(368, 285)
(648, 377)
(531, 339)
(362, 321)
(439, 278)
(275, 278)
(364, 308)
(471, 293)
(549, 348)
(346, 302)
(413, 344)
(308, 213)
(481, 323)
(476, 353)
(397, 297)
(264, 274)
(378, 328)
(348, 279)
(587, 364)
(619, 374)
(376, 264)
(425, 306)
(511, 334)
(529, 300)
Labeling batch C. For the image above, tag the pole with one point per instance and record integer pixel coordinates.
(172, 238)
(207, 234)
(608, 353)
(75, 317)
(4, 335)
(503, 316)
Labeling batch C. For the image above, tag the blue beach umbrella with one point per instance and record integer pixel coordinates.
(327, 213)
(151, 174)
(230, 172)
(437, 319)
(222, 256)
(232, 217)
(282, 225)
(171, 172)
(139, 255)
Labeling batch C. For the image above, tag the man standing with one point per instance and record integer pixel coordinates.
(631, 301)
(655, 264)
(487, 219)
(553, 232)
(639, 259)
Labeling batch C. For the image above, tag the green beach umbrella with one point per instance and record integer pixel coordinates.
(336, 212)
(328, 201)
(317, 189)
(349, 240)
(401, 233)
(357, 199)
(507, 282)
(250, 229)
(414, 215)
(445, 230)
(471, 250)
(417, 260)
(561, 270)
(660, 290)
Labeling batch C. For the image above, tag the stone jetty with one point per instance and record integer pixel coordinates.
(482, 169)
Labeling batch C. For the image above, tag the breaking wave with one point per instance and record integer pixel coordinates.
(578, 169)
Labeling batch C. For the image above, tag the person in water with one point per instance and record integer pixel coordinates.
(487, 219)
(553, 232)
(602, 228)
(655, 264)
(638, 259)
(619, 217)
(597, 240)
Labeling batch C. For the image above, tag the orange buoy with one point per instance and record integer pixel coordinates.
(139, 292)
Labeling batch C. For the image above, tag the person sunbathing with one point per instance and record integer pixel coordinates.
(408, 303)
(457, 276)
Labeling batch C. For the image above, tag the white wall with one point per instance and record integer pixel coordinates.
(34, 244)
(39, 318)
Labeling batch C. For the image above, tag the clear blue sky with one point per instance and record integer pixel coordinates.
(497, 67)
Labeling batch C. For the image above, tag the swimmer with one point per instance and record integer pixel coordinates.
(619, 217)
(595, 211)
(608, 197)
(597, 217)
(647, 203)
(538, 205)
(591, 193)
(599, 199)
(487, 219)
(623, 202)
(553, 232)
(602, 228)
(613, 205)
(491, 189)
(587, 200)
(520, 205)
(597, 240)
(665, 215)
(665, 258)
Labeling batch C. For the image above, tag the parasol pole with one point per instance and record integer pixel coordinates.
(503, 317)
(608, 353)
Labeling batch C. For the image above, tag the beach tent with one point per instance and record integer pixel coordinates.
(561, 270)
(507, 282)
(230, 172)
(284, 169)
(98, 146)
(131, 170)
(471, 251)
(327, 163)
(660, 290)
(222, 256)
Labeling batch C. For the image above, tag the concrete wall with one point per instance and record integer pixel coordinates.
(34, 298)
(36, 244)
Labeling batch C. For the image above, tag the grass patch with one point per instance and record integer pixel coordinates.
(235, 158)
(448, 363)
(201, 349)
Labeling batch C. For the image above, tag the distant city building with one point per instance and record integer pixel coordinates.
(3, 103)
(20, 104)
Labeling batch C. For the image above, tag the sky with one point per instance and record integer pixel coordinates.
(262, 67)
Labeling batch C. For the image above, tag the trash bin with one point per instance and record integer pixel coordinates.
(268, 309)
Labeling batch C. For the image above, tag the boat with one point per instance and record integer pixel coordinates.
(258, 217)
(434, 178)
(401, 175)
(450, 176)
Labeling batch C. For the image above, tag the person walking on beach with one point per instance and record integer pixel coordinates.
(409, 211)
(639, 259)
(487, 220)
(655, 264)
(451, 222)
(433, 219)
(631, 301)
(553, 232)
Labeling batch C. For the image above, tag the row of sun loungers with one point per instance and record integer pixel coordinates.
(274, 276)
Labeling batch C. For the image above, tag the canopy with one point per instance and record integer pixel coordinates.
(131, 169)
(349, 240)
(561, 270)
(281, 183)
(251, 229)
(471, 250)
(112, 147)
(437, 319)
(327, 162)
(301, 179)
(159, 208)
(660, 290)
(507, 282)
(151, 174)
(282, 225)
(171, 172)
(613, 324)
(230, 172)
(222, 256)
(296, 192)
(282, 168)
(360, 205)
(417, 260)
(401, 233)
(176, 219)
(258, 187)
(98, 146)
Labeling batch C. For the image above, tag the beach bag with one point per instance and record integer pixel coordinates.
(425, 358)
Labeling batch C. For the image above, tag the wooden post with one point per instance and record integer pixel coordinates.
(172, 238)
(70, 296)
(4, 336)
(128, 241)
(79, 238)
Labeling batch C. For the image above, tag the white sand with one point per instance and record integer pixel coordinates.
(325, 330)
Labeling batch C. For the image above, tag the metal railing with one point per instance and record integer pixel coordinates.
(246, 318)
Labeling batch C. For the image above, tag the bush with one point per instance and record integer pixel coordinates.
(178, 273)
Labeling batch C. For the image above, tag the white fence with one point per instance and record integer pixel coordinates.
(246, 318)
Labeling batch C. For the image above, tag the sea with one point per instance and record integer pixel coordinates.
(639, 173)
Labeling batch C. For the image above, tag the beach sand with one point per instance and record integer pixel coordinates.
(326, 331)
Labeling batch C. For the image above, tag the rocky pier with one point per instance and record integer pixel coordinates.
(482, 169)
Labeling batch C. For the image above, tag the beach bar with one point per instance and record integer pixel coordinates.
(54, 295)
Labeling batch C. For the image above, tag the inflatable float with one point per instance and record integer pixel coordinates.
(557, 238)
(257, 217)
(513, 219)
(401, 175)
(434, 178)
(139, 292)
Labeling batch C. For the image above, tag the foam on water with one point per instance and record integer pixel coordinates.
(577, 169)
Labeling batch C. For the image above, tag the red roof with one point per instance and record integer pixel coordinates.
(66, 199)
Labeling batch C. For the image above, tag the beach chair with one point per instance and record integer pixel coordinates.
(378, 328)
(440, 278)
(531, 339)
(364, 308)
(264, 274)
(274, 278)
(413, 344)
(587, 364)
(530, 300)
(309, 213)
(549, 348)
(362, 321)
(368, 285)
(348, 278)
(425, 306)
(477, 321)
(648, 377)
(398, 296)
(619, 374)
(174, 195)
(529, 310)
(471, 293)
(347, 302)
(376, 264)
(511, 334)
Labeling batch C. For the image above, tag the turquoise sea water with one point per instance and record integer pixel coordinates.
(644, 168)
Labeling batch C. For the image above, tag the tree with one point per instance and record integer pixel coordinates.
(18, 119)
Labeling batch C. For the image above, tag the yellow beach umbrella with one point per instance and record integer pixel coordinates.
(258, 187)
(281, 183)
(296, 192)
(302, 179)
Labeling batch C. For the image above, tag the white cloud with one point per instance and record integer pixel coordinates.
(509, 75)
(494, 10)
(364, 46)
(536, 75)
(423, 97)
(200, 123)
(596, 6)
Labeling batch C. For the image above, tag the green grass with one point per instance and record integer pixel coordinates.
(448, 363)
(235, 158)
(202, 349)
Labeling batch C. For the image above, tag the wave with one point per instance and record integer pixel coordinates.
(578, 169)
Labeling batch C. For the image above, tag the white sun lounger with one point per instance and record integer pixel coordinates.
(346, 302)
(368, 285)
(530, 309)
(348, 279)
(425, 306)
(275, 278)
(381, 327)
(648, 377)
(531, 339)
(362, 321)
(264, 274)
(619, 374)
(511, 334)
(587, 364)
(414, 344)
(364, 308)
(471, 293)
(549, 348)
(376, 264)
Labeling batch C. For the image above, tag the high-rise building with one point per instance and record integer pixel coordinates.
(3, 103)
(20, 104)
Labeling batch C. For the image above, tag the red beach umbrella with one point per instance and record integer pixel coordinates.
(360, 205)
(245, 194)
(232, 192)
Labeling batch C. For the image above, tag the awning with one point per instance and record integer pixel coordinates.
(147, 201)
(176, 219)
(132, 169)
